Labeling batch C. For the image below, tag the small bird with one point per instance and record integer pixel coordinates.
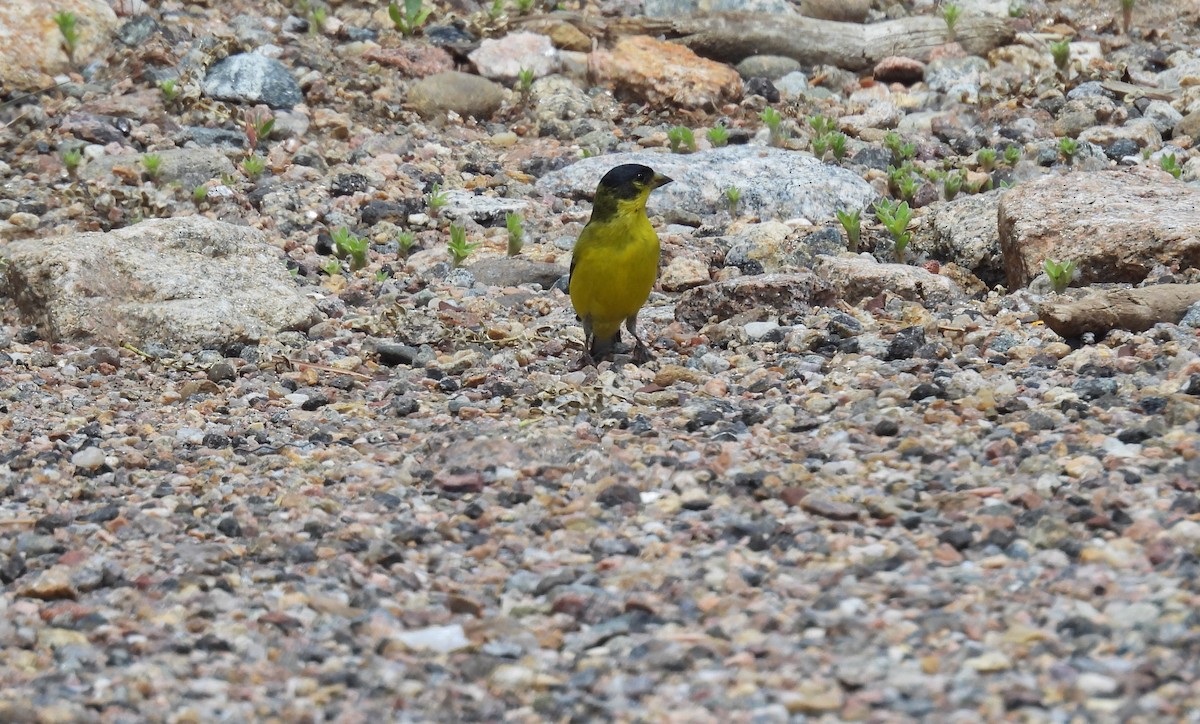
(615, 262)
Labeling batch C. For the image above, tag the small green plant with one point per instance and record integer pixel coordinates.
(837, 144)
(436, 199)
(199, 194)
(718, 135)
(1060, 274)
(406, 240)
(317, 15)
(1012, 155)
(1127, 14)
(821, 125)
(496, 9)
(682, 139)
(68, 28)
(1016, 9)
(71, 159)
(458, 246)
(410, 20)
(895, 217)
(987, 159)
(257, 124)
(852, 223)
(332, 267)
(524, 81)
(733, 195)
(1060, 50)
(524, 6)
(1169, 164)
(901, 151)
(774, 123)
(152, 162)
(951, 13)
(908, 184)
(952, 184)
(1068, 147)
(349, 245)
(516, 233)
(820, 144)
(253, 166)
(587, 152)
(169, 89)
(383, 274)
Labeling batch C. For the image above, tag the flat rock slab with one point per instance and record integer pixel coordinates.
(781, 295)
(855, 278)
(1115, 225)
(774, 183)
(188, 283)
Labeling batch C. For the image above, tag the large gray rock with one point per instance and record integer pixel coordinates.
(252, 78)
(187, 282)
(465, 94)
(964, 231)
(1115, 225)
(774, 183)
(188, 166)
(855, 278)
(31, 47)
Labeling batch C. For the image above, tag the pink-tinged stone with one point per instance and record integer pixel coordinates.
(31, 47)
(666, 75)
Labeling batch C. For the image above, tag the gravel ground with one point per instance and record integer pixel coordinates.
(896, 507)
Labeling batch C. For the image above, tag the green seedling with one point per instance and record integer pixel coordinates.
(199, 194)
(436, 200)
(332, 267)
(152, 162)
(496, 9)
(951, 13)
(458, 247)
(383, 274)
(406, 240)
(682, 139)
(349, 245)
(1068, 147)
(516, 233)
(895, 217)
(1127, 14)
(952, 184)
(774, 123)
(587, 152)
(1016, 9)
(1012, 155)
(837, 144)
(987, 159)
(524, 7)
(254, 166)
(821, 125)
(409, 20)
(1061, 52)
(1169, 164)
(317, 15)
(68, 28)
(72, 159)
(718, 135)
(820, 144)
(524, 81)
(169, 89)
(1060, 274)
(852, 222)
(257, 124)
(733, 195)
(901, 151)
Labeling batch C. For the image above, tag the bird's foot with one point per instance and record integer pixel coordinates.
(642, 354)
(585, 360)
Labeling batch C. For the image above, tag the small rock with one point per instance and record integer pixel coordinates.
(252, 78)
(826, 508)
(896, 69)
(438, 639)
(667, 74)
(503, 59)
(89, 458)
(465, 94)
(772, 67)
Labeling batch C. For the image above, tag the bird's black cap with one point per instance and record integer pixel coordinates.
(629, 179)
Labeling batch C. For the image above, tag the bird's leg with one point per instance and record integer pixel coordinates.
(585, 359)
(641, 353)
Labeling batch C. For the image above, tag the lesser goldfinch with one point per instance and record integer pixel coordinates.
(615, 261)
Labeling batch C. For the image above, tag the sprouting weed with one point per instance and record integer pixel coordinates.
(852, 222)
(1061, 52)
(682, 139)
(1060, 274)
(1127, 15)
(436, 199)
(347, 244)
(199, 194)
(332, 267)
(152, 162)
(169, 89)
(987, 159)
(774, 123)
(952, 184)
(458, 247)
(524, 81)
(821, 125)
(733, 195)
(951, 13)
(895, 217)
(68, 28)
(254, 166)
(409, 20)
(837, 144)
(1012, 155)
(1068, 147)
(718, 135)
(1168, 163)
(257, 124)
(406, 240)
(516, 232)
(71, 159)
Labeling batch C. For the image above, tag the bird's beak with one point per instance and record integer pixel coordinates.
(660, 180)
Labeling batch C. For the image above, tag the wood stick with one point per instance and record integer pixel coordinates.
(1133, 309)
